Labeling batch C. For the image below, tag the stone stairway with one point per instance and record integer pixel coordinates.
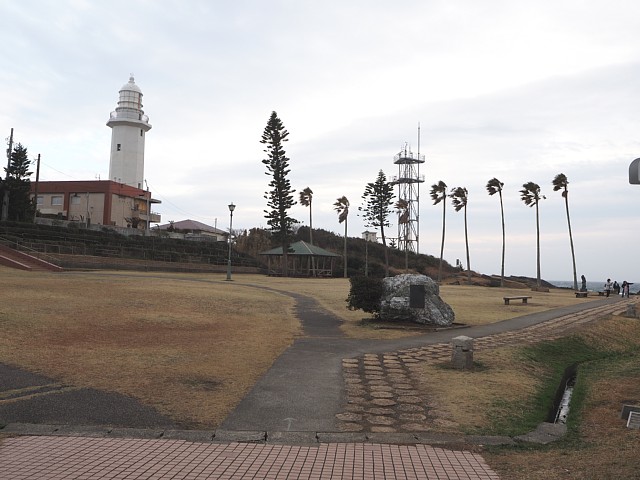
(10, 257)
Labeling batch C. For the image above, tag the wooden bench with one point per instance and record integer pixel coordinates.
(524, 299)
(581, 294)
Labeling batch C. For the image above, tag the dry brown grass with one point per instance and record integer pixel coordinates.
(473, 305)
(606, 449)
(465, 401)
(190, 347)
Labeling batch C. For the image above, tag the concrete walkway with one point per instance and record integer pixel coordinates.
(291, 424)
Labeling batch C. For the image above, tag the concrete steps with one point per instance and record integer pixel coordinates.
(12, 258)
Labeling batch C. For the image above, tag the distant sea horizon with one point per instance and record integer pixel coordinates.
(592, 286)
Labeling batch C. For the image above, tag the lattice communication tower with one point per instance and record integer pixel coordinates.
(408, 182)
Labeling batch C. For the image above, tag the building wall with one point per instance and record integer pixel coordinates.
(83, 206)
(103, 202)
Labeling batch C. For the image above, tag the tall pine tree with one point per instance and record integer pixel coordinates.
(21, 207)
(280, 197)
(378, 197)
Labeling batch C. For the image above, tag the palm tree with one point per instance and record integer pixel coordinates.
(438, 194)
(402, 208)
(342, 207)
(459, 197)
(530, 195)
(306, 196)
(560, 182)
(495, 186)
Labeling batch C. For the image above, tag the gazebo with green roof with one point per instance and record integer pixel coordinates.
(299, 258)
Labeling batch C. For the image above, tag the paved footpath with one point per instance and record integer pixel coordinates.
(100, 458)
(277, 430)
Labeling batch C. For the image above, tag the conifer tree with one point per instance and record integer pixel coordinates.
(378, 197)
(21, 207)
(280, 197)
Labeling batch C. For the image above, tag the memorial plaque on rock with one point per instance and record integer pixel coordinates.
(416, 296)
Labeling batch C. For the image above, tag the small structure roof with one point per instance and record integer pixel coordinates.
(194, 226)
(301, 248)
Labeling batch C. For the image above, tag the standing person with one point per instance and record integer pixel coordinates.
(625, 289)
(616, 287)
(607, 287)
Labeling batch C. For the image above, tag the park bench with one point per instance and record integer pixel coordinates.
(524, 299)
(581, 294)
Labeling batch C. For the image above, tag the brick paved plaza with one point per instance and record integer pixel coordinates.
(57, 457)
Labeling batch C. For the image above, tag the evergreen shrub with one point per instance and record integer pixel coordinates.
(365, 294)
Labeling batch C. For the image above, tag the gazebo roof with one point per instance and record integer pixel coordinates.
(301, 248)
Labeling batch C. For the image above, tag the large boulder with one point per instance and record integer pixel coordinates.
(420, 303)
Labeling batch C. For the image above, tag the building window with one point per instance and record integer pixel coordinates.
(75, 200)
(56, 200)
(141, 132)
(118, 147)
(40, 200)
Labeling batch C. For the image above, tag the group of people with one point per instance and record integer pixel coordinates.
(617, 288)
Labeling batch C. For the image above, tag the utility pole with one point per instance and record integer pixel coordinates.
(148, 229)
(5, 201)
(35, 210)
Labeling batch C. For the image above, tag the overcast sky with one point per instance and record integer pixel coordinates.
(516, 90)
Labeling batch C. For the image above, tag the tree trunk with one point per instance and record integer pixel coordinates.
(466, 241)
(538, 283)
(444, 207)
(386, 251)
(285, 260)
(313, 261)
(573, 255)
(503, 241)
(345, 248)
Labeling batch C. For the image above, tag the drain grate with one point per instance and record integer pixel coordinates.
(634, 420)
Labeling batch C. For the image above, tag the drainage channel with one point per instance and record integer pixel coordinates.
(562, 401)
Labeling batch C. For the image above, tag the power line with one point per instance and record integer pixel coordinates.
(188, 214)
(59, 171)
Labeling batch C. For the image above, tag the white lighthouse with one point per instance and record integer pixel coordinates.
(129, 126)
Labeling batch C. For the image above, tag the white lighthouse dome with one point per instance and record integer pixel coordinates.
(131, 86)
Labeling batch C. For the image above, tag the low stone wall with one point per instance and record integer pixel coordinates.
(88, 262)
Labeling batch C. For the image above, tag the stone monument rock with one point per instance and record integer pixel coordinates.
(415, 298)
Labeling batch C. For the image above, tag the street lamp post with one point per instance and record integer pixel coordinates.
(232, 207)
